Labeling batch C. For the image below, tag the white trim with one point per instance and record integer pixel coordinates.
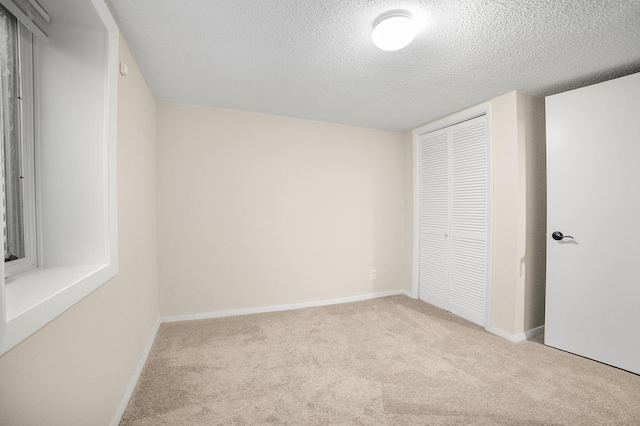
(105, 16)
(278, 308)
(517, 338)
(415, 270)
(111, 133)
(489, 288)
(409, 293)
(117, 417)
(455, 118)
(534, 332)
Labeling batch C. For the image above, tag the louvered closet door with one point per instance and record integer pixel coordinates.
(468, 276)
(453, 218)
(434, 218)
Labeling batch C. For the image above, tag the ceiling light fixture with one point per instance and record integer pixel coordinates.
(393, 30)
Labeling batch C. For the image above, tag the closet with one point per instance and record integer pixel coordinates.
(452, 199)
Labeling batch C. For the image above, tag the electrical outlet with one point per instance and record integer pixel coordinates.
(374, 274)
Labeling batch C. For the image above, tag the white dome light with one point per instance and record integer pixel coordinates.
(393, 30)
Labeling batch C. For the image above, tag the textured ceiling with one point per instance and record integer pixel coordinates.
(314, 59)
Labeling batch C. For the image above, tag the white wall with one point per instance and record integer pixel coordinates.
(257, 210)
(76, 369)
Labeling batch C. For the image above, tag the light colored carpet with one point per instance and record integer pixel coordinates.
(390, 361)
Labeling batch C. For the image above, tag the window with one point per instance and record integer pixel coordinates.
(17, 145)
(70, 48)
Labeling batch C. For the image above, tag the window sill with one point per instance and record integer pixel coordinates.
(27, 291)
(36, 297)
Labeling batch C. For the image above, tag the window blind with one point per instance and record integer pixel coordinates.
(30, 14)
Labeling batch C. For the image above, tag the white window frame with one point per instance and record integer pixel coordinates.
(27, 142)
(75, 130)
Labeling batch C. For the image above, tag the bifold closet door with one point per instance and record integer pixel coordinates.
(435, 200)
(453, 218)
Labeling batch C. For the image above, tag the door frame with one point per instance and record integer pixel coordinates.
(448, 121)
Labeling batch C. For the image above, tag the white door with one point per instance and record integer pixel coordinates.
(453, 218)
(593, 184)
(434, 218)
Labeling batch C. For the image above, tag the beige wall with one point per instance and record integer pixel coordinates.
(75, 370)
(408, 209)
(518, 213)
(257, 210)
(532, 116)
(253, 211)
(505, 279)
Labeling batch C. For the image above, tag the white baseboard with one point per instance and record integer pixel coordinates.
(534, 332)
(409, 293)
(517, 338)
(235, 312)
(115, 421)
(218, 314)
